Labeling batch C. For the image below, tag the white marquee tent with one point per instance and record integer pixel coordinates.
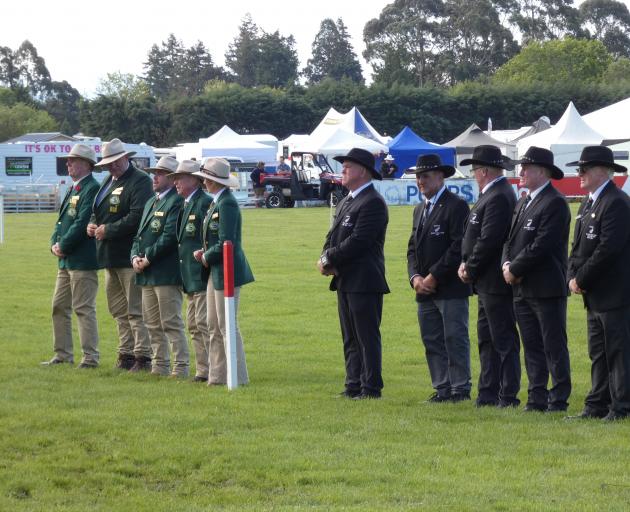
(611, 121)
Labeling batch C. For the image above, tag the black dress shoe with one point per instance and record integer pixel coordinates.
(436, 398)
(535, 408)
(86, 366)
(556, 408)
(55, 360)
(367, 396)
(125, 361)
(587, 415)
(459, 397)
(346, 393)
(507, 404)
(486, 403)
(141, 364)
(614, 416)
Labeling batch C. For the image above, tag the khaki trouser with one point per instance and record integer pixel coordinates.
(218, 347)
(162, 312)
(75, 290)
(197, 320)
(124, 301)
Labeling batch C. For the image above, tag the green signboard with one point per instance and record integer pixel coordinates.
(18, 165)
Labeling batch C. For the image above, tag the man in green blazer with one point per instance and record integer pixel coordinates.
(77, 279)
(222, 223)
(156, 262)
(194, 279)
(116, 214)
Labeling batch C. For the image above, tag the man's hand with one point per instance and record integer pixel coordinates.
(429, 284)
(137, 265)
(417, 284)
(508, 276)
(56, 250)
(198, 255)
(91, 230)
(463, 273)
(573, 286)
(100, 232)
(325, 271)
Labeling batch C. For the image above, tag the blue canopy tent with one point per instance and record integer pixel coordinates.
(407, 146)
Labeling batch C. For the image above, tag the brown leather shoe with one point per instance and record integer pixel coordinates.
(125, 361)
(142, 364)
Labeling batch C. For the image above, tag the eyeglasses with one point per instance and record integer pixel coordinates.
(582, 169)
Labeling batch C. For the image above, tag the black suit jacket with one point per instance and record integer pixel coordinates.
(436, 249)
(600, 255)
(486, 230)
(537, 246)
(354, 244)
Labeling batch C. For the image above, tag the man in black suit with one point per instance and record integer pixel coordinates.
(433, 257)
(486, 230)
(353, 255)
(600, 272)
(535, 265)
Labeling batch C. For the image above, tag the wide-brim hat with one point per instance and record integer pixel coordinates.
(542, 157)
(84, 152)
(431, 162)
(112, 151)
(488, 155)
(187, 168)
(166, 163)
(363, 158)
(217, 169)
(389, 158)
(598, 155)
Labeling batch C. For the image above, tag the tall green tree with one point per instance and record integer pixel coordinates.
(609, 22)
(198, 70)
(277, 65)
(572, 60)
(125, 86)
(332, 54)
(20, 119)
(62, 103)
(542, 20)
(163, 67)
(243, 53)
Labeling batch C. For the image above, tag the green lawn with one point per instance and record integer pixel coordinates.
(104, 440)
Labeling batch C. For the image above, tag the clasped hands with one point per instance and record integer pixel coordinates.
(508, 276)
(96, 231)
(139, 264)
(424, 285)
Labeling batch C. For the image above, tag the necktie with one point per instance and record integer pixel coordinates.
(528, 198)
(425, 214)
(104, 191)
(588, 206)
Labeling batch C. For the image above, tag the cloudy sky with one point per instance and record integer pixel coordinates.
(82, 41)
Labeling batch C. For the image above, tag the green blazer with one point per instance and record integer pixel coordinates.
(70, 230)
(223, 222)
(157, 240)
(189, 238)
(120, 208)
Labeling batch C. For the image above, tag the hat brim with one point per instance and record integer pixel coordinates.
(448, 170)
(231, 182)
(177, 174)
(556, 172)
(503, 165)
(91, 162)
(375, 174)
(614, 166)
(155, 169)
(113, 158)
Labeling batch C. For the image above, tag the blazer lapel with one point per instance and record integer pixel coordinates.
(434, 212)
(185, 212)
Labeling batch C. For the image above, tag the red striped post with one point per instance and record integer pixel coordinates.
(230, 314)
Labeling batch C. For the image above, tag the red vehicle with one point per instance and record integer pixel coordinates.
(311, 178)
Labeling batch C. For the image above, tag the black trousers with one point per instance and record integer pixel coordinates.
(543, 326)
(360, 319)
(499, 346)
(609, 351)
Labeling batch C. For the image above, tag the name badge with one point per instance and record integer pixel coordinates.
(192, 217)
(436, 230)
(158, 214)
(528, 225)
(117, 191)
(215, 215)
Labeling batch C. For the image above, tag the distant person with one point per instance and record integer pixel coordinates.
(115, 218)
(433, 257)
(599, 271)
(535, 266)
(223, 222)
(194, 277)
(353, 256)
(485, 233)
(77, 279)
(282, 166)
(155, 261)
(259, 188)
(389, 168)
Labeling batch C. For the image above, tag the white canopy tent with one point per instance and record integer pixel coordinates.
(565, 139)
(611, 121)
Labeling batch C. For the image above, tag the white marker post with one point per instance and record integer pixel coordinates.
(230, 314)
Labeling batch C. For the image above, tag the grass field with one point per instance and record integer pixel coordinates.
(104, 440)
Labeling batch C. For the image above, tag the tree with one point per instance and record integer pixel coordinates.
(609, 22)
(277, 65)
(20, 118)
(332, 55)
(243, 53)
(125, 86)
(401, 44)
(557, 61)
(163, 66)
(618, 71)
(26, 69)
(62, 103)
(198, 70)
(543, 20)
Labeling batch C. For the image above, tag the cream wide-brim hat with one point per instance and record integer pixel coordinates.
(187, 168)
(112, 151)
(166, 163)
(84, 152)
(217, 169)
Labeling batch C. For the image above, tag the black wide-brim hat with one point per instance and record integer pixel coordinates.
(488, 155)
(598, 155)
(363, 158)
(542, 157)
(431, 162)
